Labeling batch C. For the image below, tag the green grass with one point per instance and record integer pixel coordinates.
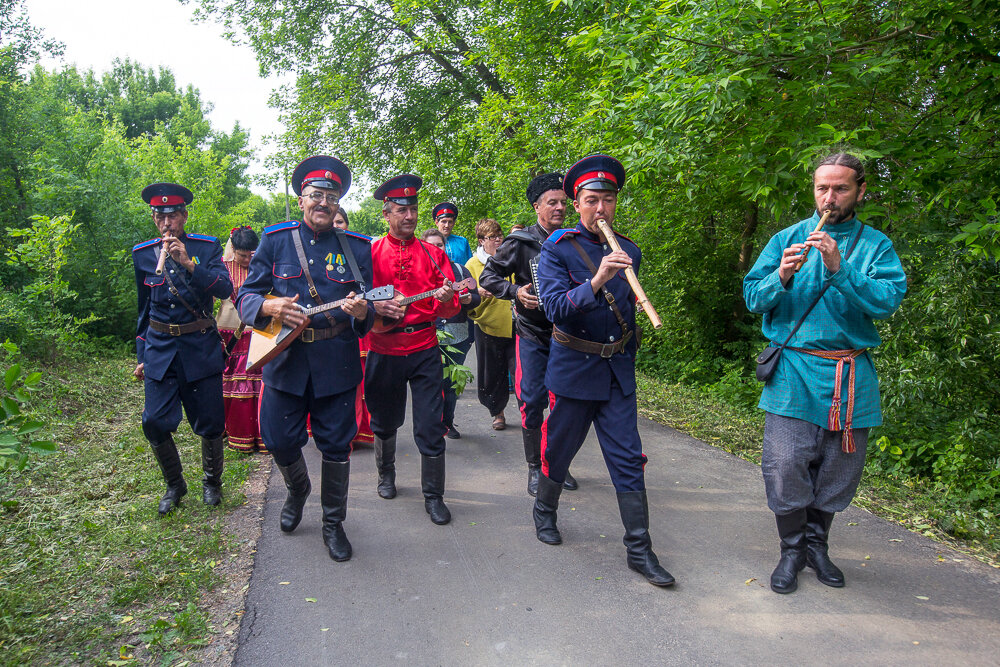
(89, 572)
(728, 424)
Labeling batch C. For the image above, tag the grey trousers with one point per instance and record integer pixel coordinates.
(804, 466)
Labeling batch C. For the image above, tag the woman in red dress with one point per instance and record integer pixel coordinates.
(365, 435)
(240, 389)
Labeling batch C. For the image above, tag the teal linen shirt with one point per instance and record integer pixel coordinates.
(869, 286)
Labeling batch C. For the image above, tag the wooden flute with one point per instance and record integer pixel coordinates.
(633, 280)
(819, 227)
(163, 257)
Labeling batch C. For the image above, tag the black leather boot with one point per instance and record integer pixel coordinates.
(297, 482)
(570, 484)
(333, 497)
(792, 530)
(170, 465)
(544, 512)
(385, 465)
(639, 546)
(432, 483)
(817, 536)
(532, 438)
(212, 459)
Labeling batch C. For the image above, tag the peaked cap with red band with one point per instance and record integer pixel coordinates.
(167, 197)
(401, 190)
(445, 208)
(594, 172)
(322, 171)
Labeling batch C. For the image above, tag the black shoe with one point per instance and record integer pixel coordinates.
(385, 465)
(817, 557)
(297, 482)
(792, 530)
(532, 439)
(170, 465)
(534, 471)
(570, 484)
(544, 511)
(638, 544)
(432, 484)
(452, 433)
(212, 460)
(333, 497)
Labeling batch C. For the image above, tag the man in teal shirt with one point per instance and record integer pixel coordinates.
(823, 397)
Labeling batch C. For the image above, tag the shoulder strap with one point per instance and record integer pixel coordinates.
(173, 290)
(349, 254)
(313, 292)
(433, 263)
(822, 291)
(608, 296)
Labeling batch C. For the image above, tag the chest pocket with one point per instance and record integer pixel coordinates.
(286, 271)
(338, 277)
(153, 280)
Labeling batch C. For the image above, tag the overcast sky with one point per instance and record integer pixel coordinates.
(158, 33)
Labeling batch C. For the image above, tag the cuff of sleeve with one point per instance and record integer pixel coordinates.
(840, 276)
(582, 297)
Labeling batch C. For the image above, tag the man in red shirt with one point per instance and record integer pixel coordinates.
(406, 350)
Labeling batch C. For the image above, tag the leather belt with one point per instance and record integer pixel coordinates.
(310, 335)
(181, 329)
(411, 328)
(605, 350)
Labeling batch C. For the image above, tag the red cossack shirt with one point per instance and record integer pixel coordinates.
(412, 267)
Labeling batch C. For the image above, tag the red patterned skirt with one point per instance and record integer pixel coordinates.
(241, 393)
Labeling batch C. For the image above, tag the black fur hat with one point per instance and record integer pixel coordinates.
(542, 184)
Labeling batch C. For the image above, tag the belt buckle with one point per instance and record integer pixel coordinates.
(175, 329)
(607, 350)
(408, 329)
(308, 335)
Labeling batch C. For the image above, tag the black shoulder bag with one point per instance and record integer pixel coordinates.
(767, 360)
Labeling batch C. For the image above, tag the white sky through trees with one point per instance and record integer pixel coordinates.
(162, 33)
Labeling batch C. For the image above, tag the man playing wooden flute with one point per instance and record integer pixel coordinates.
(591, 368)
(823, 397)
(178, 349)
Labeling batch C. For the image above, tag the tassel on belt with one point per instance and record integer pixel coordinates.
(833, 421)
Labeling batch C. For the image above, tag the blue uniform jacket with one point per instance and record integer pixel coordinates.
(200, 353)
(571, 305)
(333, 364)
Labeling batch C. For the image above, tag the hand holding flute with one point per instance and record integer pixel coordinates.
(795, 255)
(633, 280)
(163, 255)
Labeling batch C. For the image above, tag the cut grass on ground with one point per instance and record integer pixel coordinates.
(738, 430)
(89, 572)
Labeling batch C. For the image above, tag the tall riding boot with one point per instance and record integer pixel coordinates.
(170, 465)
(639, 546)
(544, 512)
(817, 536)
(212, 458)
(385, 465)
(532, 438)
(297, 482)
(792, 530)
(432, 483)
(333, 497)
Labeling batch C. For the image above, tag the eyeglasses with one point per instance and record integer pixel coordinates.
(493, 238)
(319, 198)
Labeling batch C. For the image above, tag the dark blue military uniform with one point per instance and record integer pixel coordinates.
(318, 378)
(588, 388)
(187, 368)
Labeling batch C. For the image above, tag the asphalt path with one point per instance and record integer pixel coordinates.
(483, 591)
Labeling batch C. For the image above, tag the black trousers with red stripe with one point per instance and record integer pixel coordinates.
(616, 424)
(386, 379)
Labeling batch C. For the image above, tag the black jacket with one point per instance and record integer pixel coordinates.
(512, 258)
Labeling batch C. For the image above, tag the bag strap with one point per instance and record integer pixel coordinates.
(608, 296)
(822, 291)
(313, 292)
(201, 315)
